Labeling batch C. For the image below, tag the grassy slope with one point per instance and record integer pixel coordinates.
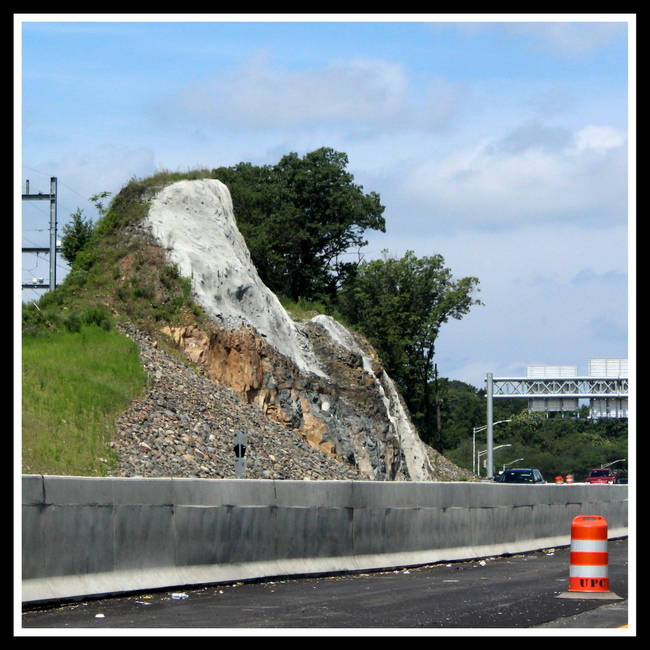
(74, 383)
(78, 372)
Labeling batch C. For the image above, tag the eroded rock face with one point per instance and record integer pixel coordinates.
(316, 377)
(183, 426)
(344, 420)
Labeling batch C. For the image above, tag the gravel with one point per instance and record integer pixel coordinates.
(184, 426)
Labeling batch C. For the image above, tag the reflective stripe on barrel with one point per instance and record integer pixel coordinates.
(589, 556)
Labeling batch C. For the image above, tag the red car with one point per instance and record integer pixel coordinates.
(603, 475)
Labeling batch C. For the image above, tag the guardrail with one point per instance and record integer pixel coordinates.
(95, 536)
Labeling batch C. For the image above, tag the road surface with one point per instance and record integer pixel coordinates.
(511, 592)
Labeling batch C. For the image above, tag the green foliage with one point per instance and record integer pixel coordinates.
(98, 200)
(48, 318)
(299, 217)
(74, 383)
(400, 305)
(75, 236)
(554, 445)
(462, 408)
(99, 316)
(303, 310)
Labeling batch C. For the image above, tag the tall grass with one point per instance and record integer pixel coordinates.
(306, 309)
(73, 386)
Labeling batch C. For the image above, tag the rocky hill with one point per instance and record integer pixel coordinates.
(310, 397)
(184, 427)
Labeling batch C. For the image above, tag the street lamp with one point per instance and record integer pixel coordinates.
(485, 451)
(474, 432)
(620, 460)
(511, 463)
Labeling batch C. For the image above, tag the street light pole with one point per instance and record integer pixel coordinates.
(512, 462)
(476, 430)
(490, 431)
(485, 451)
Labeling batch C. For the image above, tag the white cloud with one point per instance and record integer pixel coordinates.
(562, 39)
(262, 96)
(567, 39)
(367, 92)
(598, 139)
(532, 173)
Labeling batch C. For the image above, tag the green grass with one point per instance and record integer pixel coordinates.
(74, 384)
(305, 309)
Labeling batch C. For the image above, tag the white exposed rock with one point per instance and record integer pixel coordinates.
(338, 333)
(194, 221)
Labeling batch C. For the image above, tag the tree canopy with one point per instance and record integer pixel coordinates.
(400, 305)
(299, 217)
(548, 441)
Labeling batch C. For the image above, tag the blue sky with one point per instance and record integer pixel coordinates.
(502, 143)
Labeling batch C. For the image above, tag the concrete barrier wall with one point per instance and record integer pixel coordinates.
(91, 536)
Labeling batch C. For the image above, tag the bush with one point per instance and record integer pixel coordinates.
(99, 316)
(72, 322)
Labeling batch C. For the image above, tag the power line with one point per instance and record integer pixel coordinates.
(61, 182)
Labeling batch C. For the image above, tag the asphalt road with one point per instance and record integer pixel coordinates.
(508, 592)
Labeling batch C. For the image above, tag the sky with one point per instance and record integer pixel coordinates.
(504, 143)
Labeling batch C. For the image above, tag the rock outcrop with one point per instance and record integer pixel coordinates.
(315, 377)
(184, 426)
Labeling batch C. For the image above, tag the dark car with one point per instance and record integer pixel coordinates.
(521, 476)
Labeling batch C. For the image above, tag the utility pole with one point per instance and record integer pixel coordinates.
(51, 197)
(490, 425)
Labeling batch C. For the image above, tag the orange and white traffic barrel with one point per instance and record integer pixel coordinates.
(559, 480)
(569, 478)
(589, 555)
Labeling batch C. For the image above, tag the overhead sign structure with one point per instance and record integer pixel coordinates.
(558, 388)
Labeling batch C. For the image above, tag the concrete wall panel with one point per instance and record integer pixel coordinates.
(334, 536)
(252, 534)
(143, 536)
(84, 536)
(76, 540)
(202, 535)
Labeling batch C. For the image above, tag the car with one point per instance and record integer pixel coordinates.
(601, 476)
(521, 476)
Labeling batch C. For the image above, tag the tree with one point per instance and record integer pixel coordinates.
(75, 236)
(298, 219)
(400, 305)
(463, 408)
(97, 199)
